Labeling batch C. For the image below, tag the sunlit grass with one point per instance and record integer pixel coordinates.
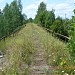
(19, 51)
(56, 52)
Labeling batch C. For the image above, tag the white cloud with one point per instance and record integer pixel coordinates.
(31, 7)
(35, 5)
(2, 1)
(60, 9)
(62, 6)
(50, 6)
(31, 10)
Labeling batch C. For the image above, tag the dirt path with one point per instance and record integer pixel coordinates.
(39, 66)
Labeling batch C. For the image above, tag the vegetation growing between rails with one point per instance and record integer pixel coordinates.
(57, 54)
(19, 52)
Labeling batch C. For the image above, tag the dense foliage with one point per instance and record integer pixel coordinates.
(61, 26)
(71, 45)
(47, 19)
(44, 17)
(11, 17)
(65, 27)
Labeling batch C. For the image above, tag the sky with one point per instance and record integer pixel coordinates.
(62, 7)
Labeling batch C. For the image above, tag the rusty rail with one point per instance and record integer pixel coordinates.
(16, 30)
(58, 35)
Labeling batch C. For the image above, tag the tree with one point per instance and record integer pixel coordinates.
(41, 14)
(50, 18)
(60, 26)
(17, 17)
(20, 5)
(24, 18)
(1, 24)
(11, 17)
(44, 18)
(7, 19)
(56, 27)
(41, 8)
(71, 44)
(66, 24)
(30, 20)
(0, 12)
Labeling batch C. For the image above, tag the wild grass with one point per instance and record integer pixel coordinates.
(56, 52)
(19, 51)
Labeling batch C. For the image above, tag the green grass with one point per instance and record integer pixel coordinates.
(19, 51)
(57, 54)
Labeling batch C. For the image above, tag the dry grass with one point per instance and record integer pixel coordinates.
(20, 50)
(57, 54)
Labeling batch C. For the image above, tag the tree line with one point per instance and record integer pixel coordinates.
(47, 19)
(11, 17)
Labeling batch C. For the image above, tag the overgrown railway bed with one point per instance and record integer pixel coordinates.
(33, 51)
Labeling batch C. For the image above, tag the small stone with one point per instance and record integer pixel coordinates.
(50, 66)
(49, 55)
(52, 53)
(66, 74)
(2, 70)
(53, 60)
(62, 71)
(1, 56)
(39, 54)
(60, 58)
